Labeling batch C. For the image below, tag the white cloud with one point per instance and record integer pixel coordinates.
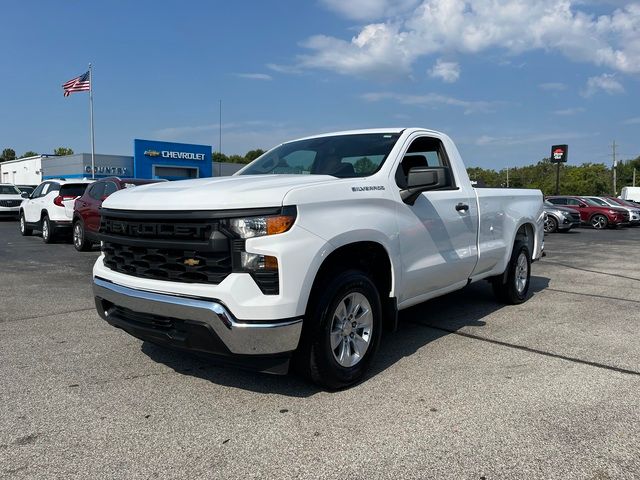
(552, 86)
(472, 26)
(448, 72)
(606, 83)
(433, 100)
(254, 76)
(487, 140)
(569, 111)
(291, 69)
(369, 9)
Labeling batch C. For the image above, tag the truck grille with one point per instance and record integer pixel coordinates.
(186, 247)
(167, 264)
(10, 203)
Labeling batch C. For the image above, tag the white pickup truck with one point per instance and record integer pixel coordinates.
(307, 254)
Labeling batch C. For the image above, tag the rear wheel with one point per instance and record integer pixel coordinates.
(550, 224)
(80, 241)
(25, 231)
(343, 333)
(599, 222)
(513, 286)
(47, 230)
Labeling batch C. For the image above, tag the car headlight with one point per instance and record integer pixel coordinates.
(250, 227)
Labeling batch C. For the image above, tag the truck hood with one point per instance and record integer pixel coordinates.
(242, 191)
(11, 197)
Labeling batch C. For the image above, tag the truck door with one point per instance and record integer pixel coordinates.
(438, 233)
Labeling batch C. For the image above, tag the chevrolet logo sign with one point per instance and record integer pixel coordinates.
(152, 153)
(192, 262)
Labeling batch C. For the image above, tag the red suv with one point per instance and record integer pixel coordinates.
(86, 209)
(592, 213)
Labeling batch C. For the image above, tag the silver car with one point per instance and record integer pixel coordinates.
(559, 219)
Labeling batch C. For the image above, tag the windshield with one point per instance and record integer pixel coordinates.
(9, 190)
(597, 202)
(341, 156)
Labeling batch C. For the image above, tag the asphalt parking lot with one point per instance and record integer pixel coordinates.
(466, 389)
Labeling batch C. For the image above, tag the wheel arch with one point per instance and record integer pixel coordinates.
(374, 260)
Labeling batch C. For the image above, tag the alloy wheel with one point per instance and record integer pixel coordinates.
(78, 235)
(599, 222)
(522, 272)
(351, 329)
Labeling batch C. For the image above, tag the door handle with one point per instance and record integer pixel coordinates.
(462, 207)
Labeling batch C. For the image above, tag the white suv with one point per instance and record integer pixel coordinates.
(10, 200)
(49, 208)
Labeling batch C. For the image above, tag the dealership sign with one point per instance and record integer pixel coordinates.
(107, 170)
(559, 153)
(177, 155)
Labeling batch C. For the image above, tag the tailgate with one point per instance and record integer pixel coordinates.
(69, 192)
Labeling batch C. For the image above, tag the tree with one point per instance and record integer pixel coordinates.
(63, 151)
(29, 153)
(251, 155)
(8, 154)
(364, 166)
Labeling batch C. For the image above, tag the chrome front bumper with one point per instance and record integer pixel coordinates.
(151, 316)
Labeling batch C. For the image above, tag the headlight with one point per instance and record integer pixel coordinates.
(260, 226)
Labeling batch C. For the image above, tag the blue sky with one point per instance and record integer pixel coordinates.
(505, 79)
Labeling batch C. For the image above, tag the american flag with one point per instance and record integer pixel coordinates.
(78, 84)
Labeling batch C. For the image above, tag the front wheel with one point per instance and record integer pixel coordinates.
(599, 222)
(24, 230)
(343, 333)
(80, 241)
(550, 224)
(513, 286)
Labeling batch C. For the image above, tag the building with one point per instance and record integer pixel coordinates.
(151, 159)
(22, 171)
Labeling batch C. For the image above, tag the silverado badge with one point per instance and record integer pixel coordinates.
(192, 262)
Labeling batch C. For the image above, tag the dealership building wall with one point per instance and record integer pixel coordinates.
(79, 166)
(22, 171)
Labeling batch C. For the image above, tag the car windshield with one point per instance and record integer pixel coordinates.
(341, 156)
(596, 202)
(9, 190)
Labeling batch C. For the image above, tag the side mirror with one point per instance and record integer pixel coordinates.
(582, 205)
(421, 179)
(24, 194)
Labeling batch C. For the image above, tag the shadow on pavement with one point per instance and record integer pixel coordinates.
(419, 326)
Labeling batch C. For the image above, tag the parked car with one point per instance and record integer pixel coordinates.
(86, 208)
(304, 254)
(559, 219)
(10, 200)
(26, 188)
(624, 203)
(591, 213)
(634, 212)
(49, 208)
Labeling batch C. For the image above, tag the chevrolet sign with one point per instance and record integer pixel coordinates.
(152, 153)
(183, 155)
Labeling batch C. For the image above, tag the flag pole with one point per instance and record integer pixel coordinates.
(93, 150)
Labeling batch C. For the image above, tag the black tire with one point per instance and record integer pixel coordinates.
(507, 288)
(550, 224)
(48, 233)
(599, 221)
(315, 357)
(25, 231)
(80, 241)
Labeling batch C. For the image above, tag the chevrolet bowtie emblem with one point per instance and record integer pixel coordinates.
(152, 153)
(192, 262)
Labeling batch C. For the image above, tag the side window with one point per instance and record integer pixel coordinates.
(53, 187)
(558, 201)
(38, 191)
(97, 190)
(109, 188)
(45, 189)
(423, 152)
(573, 201)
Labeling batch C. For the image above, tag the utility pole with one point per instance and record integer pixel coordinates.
(507, 177)
(615, 187)
(634, 176)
